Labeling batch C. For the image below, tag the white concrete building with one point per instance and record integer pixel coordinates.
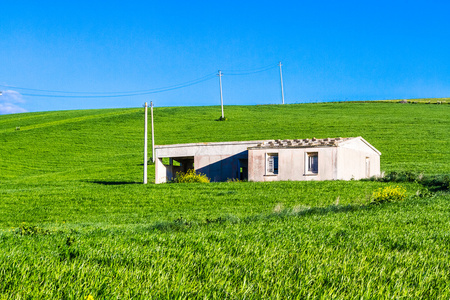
(313, 159)
(271, 160)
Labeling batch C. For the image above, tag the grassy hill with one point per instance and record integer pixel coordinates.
(89, 144)
(74, 222)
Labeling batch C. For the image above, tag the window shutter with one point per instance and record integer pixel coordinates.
(275, 164)
(312, 163)
(270, 164)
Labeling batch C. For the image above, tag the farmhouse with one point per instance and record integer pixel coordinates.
(271, 160)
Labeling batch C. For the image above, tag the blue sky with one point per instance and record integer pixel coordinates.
(330, 50)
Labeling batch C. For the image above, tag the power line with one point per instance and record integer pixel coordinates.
(114, 94)
(77, 94)
(155, 91)
(248, 72)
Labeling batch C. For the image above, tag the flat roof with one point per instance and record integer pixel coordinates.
(268, 144)
(211, 144)
(302, 143)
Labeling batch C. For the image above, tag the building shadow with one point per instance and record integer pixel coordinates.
(104, 182)
(230, 167)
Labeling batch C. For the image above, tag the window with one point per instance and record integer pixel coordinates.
(311, 163)
(367, 167)
(272, 164)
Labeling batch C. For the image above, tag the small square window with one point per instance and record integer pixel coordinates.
(272, 164)
(311, 163)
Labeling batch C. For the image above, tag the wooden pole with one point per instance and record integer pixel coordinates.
(281, 79)
(221, 97)
(145, 144)
(153, 133)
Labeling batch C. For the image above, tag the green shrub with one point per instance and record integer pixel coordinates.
(236, 180)
(191, 176)
(436, 183)
(402, 176)
(433, 183)
(389, 194)
(25, 229)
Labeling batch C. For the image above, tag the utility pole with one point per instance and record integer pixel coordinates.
(221, 97)
(153, 133)
(281, 79)
(145, 144)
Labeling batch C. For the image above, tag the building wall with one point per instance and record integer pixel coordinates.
(291, 164)
(218, 161)
(221, 161)
(354, 160)
(191, 150)
(352, 164)
(354, 157)
(163, 173)
(219, 167)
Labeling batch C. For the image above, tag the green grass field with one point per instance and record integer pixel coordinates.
(412, 101)
(74, 220)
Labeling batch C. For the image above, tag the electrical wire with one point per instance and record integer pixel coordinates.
(130, 94)
(70, 94)
(115, 94)
(248, 72)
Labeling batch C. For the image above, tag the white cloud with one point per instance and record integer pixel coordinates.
(12, 97)
(8, 102)
(9, 108)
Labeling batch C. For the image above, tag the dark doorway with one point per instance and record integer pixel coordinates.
(243, 169)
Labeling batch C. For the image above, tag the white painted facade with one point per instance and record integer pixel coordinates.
(352, 158)
(219, 161)
(272, 160)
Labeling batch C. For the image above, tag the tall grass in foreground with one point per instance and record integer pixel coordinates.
(90, 203)
(384, 252)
